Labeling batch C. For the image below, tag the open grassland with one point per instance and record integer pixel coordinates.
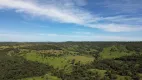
(58, 62)
(114, 52)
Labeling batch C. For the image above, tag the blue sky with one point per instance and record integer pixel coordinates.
(70, 20)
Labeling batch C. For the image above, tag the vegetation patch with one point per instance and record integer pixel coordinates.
(100, 72)
(82, 59)
(45, 77)
(114, 52)
(56, 62)
(71, 61)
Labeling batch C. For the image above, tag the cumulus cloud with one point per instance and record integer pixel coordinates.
(68, 12)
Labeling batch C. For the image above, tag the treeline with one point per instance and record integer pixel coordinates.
(80, 72)
(17, 68)
(123, 66)
(130, 67)
(42, 47)
(14, 67)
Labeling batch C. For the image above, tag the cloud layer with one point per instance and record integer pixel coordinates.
(59, 37)
(123, 6)
(69, 11)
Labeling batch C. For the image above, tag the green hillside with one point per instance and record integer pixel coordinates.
(71, 61)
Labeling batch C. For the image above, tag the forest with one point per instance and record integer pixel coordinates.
(70, 60)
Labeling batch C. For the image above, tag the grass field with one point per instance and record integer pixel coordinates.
(57, 62)
(108, 54)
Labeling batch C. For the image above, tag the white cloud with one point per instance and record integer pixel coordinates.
(123, 6)
(82, 33)
(65, 13)
(124, 19)
(60, 37)
(50, 11)
(116, 27)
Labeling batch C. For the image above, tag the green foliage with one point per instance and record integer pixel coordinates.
(56, 62)
(71, 61)
(42, 47)
(16, 68)
(101, 72)
(114, 52)
(45, 77)
(83, 59)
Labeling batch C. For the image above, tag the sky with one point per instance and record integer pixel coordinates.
(70, 20)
